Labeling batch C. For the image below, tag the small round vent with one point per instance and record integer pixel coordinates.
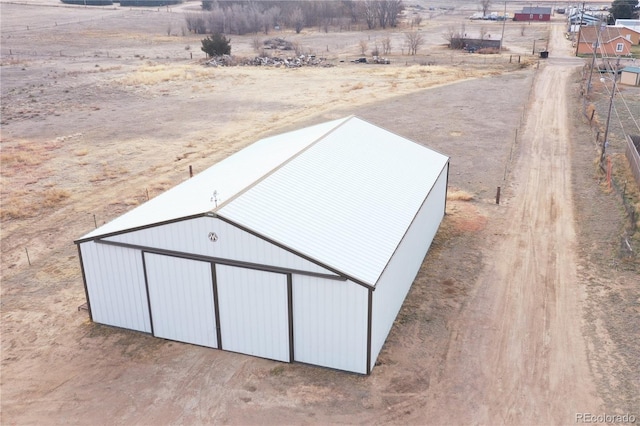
(213, 237)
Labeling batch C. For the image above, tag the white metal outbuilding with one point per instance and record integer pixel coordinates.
(301, 247)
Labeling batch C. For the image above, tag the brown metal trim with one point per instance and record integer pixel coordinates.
(221, 261)
(216, 306)
(84, 282)
(275, 243)
(369, 322)
(290, 313)
(140, 228)
(146, 286)
(446, 185)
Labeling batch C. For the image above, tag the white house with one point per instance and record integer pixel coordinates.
(300, 247)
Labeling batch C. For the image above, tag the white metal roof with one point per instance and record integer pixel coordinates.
(342, 193)
(226, 178)
(346, 202)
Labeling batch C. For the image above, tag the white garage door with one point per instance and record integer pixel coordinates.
(254, 316)
(181, 298)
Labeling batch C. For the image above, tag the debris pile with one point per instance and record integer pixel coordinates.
(278, 43)
(221, 61)
(379, 60)
(291, 62)
(375, 60)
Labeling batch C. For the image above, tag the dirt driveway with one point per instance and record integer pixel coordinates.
(517, 353)
(494, 329)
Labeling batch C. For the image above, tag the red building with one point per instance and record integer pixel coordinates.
(533, 14)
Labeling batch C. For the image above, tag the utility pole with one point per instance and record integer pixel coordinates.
(595, 50)
(606, 128)
(503, 23)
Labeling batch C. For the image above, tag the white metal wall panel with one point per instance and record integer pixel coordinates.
(254, 313)
(396, 280)
(192, 236)
(115, 283)
(181, 296)
(330, 323)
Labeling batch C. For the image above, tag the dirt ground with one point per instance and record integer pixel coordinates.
(526, 312)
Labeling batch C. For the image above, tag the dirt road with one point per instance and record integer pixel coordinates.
(517, 354)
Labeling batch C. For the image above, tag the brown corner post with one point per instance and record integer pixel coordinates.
(498, 196)
(190, 171)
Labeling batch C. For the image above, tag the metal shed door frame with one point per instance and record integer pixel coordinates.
(216, 304)
(181, 309)
(232, 296)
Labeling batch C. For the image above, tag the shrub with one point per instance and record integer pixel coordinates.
(216, 45)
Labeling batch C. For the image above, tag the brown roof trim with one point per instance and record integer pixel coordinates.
(140, 228)
(220, 261)
(290, 250)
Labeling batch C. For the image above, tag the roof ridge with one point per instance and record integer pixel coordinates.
(278, 167)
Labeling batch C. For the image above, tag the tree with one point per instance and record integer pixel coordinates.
(455, 37)
(624, 9)
(207, 4)
(414, 40)
(350, 8)
(485, 5)
(363, 46)
(216, 44)
(297, 19)
(394, 9)
(370, 12)
(196, 23)
(386, 45)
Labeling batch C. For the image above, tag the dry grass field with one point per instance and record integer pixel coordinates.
(102, 110)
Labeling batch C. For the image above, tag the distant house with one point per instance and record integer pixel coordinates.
(633, 35)
(612, 42)
(582, 18)
(472, 44)
(630, 76)
(634, 24)
(533, 14)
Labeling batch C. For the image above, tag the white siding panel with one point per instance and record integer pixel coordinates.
(396, 280)
(330, 323)
(254, 313)
(115, 283)
(192, 236)
(181, 295)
